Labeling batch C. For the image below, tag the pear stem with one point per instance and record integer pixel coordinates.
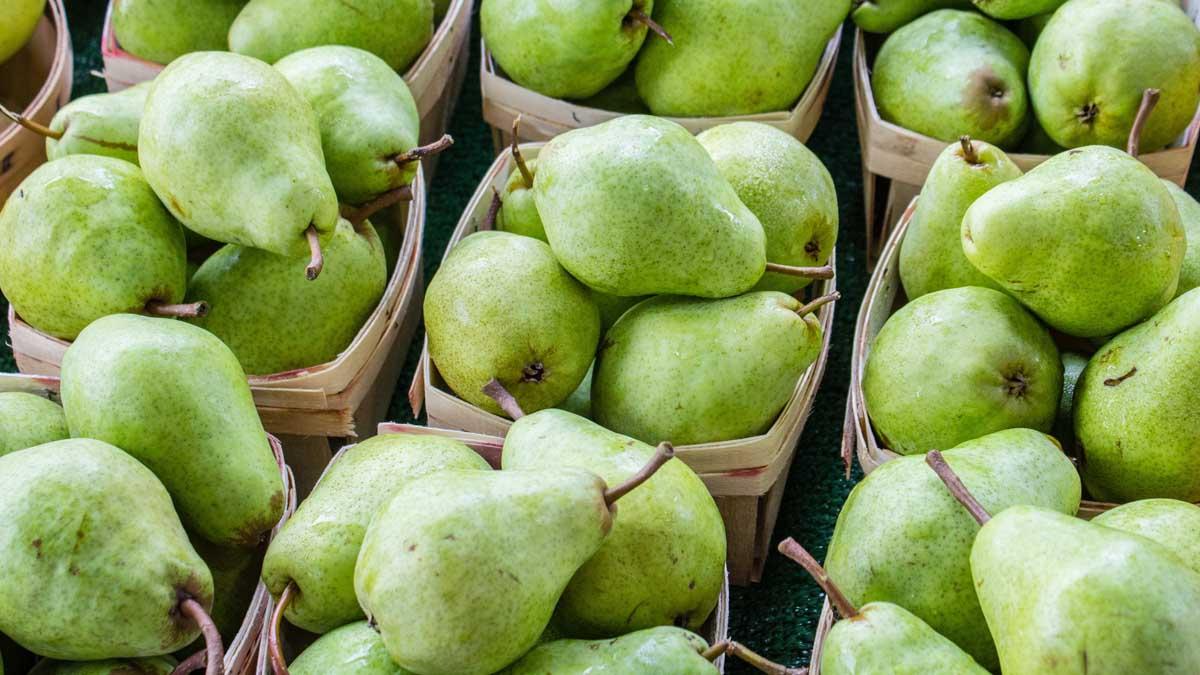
(422, 151)
(215, 651)
(274, 650)
(938, 463)
(192, 663)
(662, 454)
(817, 303)
(792, 549)
(31, 125)
(1149, 100)
(504, 399)
(714, 652)
(489, 221)
(761, 663)
(638, 16)
(357, 215)
(824, 272)
(191, 310)
(968, 150)
(526, 174)
(316, 261)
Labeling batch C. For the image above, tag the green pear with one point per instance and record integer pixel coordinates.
(668, 650)
(787, 187)
(621, 96)
(317, 548)
(885, 16)
(613, 307)
(564, 49)
(353, 649)
(902, 538)
(951, 73)
(931, 255)
(518, 210)
(580, 400)
(84, 237)
(274, 320)
(1093, 61)
(163, 30)
(501, 308)
(664, 561)
(958, 364)
(100, 124)
(1170, 522)
(394, 30)
(173, 396)
(636, 206)
(27, 420)
(154, 665)
(1010, 10)
(235, 579)
(1135, 408)
(734, 57)
(22, 17)
(1064, 423)
(1189, 217)
(97, 564)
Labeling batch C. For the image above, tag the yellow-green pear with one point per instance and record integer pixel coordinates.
(27, 420)
(163, 30)
(21, 18)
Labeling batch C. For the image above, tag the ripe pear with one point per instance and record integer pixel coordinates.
(951, 73)
(1095, 58)
(394, 30)
(885, 16)
(163, 30)
(734, 57)
(1011, 10)
(173, 396)
(501, 308)
(787, 187)
(958, 364)
(902, 538)
(1170, 522)
(1189, 217)
(22, 17)
(931, 254)
(96, 562)
(664, 649)
(317, 548)
(100, 124)
(84, 237)
(353, 649)
(27, 420)
(154, 665)
(1090, 240)
(518, 211)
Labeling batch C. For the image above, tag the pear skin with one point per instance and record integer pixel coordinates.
(1011, 10)
(885, 16)
(22, 18)
(163, 30)
(518, 213)
(1170, 522)
(666, 649)
(1189, 216)
(154, 665)
(889, 640)
(353, 649)
(100, 124)
(27, 420)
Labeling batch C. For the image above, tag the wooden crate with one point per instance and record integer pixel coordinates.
(746, 476)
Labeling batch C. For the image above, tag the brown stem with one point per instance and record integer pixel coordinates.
(316, 261)
(504, 399)
(790, 548)
(968, 150)
(938, 463)
(423, 151)
(662, 454)
(714, 652)
(191, 310)
(212, 637)
(817, 303)
(1149, 100)
(824, 272)
(274, 650)
(638, 16)
(31, 125)
(761, 663)
(489, 221)
(357, 215)
(192, 663)
(526, 174)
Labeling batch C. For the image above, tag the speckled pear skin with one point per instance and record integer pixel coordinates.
(1064, 423)
(394, 30)
(665, 650)
(787, 187)
(497, 551)
(366, 114)
(635, 206)
(902, 538)
(234, 152)
(663, 564)
(885, 16)
(153, 665)
(951, 73)
(100, 124)
(95, 557)
(688, 371)
(1094, 59)
(518, 211)
(502, 307)
(734, 57)
(273, 318)
(560, 49)
(27, 420)
(318, 546)
(1189, 217)
(84, 237)
(173, 396)
(1009, 10)
(886, 639)
(1063, 596)
(1090, 240)
(1170, 522)
(235, 578)
(22, 19)
(163, 30)
(1135, 406)
(931, 254)
(353, 649)
(958, 364)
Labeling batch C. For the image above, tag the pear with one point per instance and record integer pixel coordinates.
(318, 546)
(99, 124)
(664, 649)
(501, 308)
(518, 212)
(274, 320)
(1170, 522)
(931, 255)
(1064, 423)
(22, 17)
(27, 420)
(580, 400)
(394, 30)
(1085, 270)
(1094, 59)
(163, 30)
(901, 538)
(951, 73)
(97, 563)
(173, 396)
(958, 364)
(353, 649)
(885, 16)
(707, 72)
(613, 307)
(235, 153)
(620, 96)
(84, 237)
(1189, 217)
(1010, 10)
(787, 187)
(692, 371)
(154, 665)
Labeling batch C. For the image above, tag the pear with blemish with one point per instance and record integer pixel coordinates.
(27, 420)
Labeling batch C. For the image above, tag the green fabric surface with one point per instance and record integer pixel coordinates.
(778, 616)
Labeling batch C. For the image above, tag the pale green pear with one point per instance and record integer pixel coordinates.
(501, 307)
(1064, 423)
(518, 211)
(1189, 217)
(787, 187)
(154, 665)
(951, 73)
(353, 649)
(22, 17)
(1170, 522)
(163, 30)
(100, 124)
(885, 16)
(580, 400)
(84, 237)
(173, 396)
(636, 206)
(1010, 10)
(666, 650)
(1090, 240)
(95, 559)
(735, 57)
(27, 420)
(958, 364)
(318, 546)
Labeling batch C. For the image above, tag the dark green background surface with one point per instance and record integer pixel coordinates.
(778, 616)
